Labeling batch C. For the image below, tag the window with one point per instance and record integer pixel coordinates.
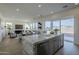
(47, 25)
(27, 26)
(8, 25)
(35, 26)
(32, 26)
(67, 25)
(56, 25)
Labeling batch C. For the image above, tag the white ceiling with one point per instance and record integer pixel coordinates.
(31, 10)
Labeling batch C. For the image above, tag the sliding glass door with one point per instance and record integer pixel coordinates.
(67, 27)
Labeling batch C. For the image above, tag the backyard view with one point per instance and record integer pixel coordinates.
(67, 27)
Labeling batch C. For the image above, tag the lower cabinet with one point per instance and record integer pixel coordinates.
(50, 47)
(43, 48)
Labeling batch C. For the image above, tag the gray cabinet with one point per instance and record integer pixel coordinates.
(43, 48)
(51, 46)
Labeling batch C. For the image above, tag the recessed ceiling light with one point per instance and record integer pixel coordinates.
(39, 6)
(51, 12)
(17, 9)
(76, 3)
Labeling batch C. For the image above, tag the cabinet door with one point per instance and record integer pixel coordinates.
(59, 38)
(62, 39)
(51, 46)
(43, 48)
(56, 43)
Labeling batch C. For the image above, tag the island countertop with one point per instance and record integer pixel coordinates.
(38, 38)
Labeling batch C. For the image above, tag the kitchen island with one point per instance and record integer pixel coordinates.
(42, 44)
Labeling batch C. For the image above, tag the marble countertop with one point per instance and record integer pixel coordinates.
(38, 38)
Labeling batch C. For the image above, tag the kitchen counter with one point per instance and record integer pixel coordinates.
(37, 38)
(33, 44)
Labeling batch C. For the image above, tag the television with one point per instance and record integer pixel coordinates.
(18, 29)
(18, 26)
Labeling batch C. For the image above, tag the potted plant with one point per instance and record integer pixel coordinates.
(52, 32)
(56, 30)
(9, 29)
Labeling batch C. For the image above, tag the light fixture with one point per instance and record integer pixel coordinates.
(17, 9)
(39, 6)
(76, 3)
